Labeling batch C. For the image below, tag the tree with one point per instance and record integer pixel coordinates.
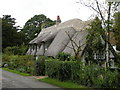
(103, 12)
(117, 29)
(75, 47)
(94, 38)
(33, 26)
(95, 31)
(10, 34)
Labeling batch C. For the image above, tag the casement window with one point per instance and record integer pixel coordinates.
(99, 55)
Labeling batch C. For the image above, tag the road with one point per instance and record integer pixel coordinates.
(12, 80)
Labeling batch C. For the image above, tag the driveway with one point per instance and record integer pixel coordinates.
(12, 80)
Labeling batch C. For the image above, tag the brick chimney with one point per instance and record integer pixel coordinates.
(58, 20)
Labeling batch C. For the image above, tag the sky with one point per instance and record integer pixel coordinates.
(22, 10)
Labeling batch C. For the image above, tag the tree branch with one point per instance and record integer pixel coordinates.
(72, 40)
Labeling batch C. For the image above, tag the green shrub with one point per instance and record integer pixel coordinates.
(26, 64)
(69, 70)
(5, 59)
(8, 51)
(10, 60)
(98, 77)
(111, 79)
(62, 70)
(21, 50)
(89, 75)
(40, 65)
(13, 64)
(75, 71)
(63, 56)
(118, 61)
(52, 67)
(21, 63)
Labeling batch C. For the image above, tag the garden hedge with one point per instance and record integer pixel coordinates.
(24, 63)
(92, 76)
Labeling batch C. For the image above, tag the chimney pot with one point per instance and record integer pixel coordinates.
(58, 20)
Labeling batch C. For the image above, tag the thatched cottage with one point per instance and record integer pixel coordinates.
(53, 40)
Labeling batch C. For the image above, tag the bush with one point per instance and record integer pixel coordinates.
(21, 63)
(21, 50)
(62, 70)
(69, 70)
(111, 79)
(89, 75)
(118, 61)
(14, 62)
(52, 67)
(75, 71)
(26, 64)
(5, 59)
(63, 56)
(40, 65)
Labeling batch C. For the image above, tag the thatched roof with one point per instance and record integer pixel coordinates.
(54, 39)
(40, 50)
(60, 41)
(80, 39)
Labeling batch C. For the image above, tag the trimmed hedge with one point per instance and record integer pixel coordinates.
(40, 66)
(52, 67)
(93, 75)
(62, 70)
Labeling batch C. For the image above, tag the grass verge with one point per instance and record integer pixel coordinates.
(66, 84)
(17, 72)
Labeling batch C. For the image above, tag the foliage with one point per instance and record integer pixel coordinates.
(21, 63)
(10, 34)
(95, 38)
(52, 67)
(33, 26)
(64, 73)
(111, 79)
(26, 64)
(118, 59)
(89, 75)
(94, 34)
(63, 56)
(16, 50)
(13, 63)
(117, 29)
(40, 65)
(92, 76)
(5, 59)
(61, 70)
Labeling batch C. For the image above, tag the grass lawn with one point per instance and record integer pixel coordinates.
(66, 84)
(17, 72)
